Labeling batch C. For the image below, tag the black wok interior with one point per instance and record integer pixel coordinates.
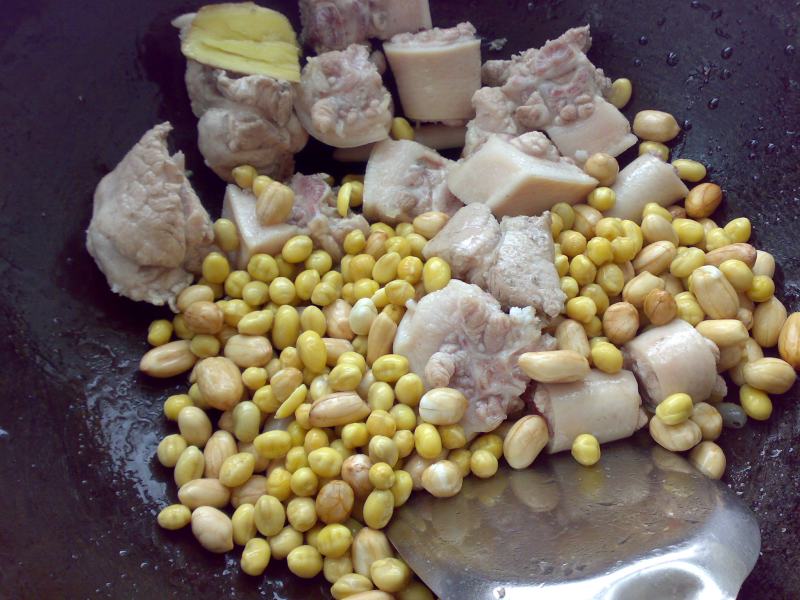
(81, 81)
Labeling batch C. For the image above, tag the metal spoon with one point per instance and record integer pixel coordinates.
(642, 523)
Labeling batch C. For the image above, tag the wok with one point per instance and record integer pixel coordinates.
(79, 84)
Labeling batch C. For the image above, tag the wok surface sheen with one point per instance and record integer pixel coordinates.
(81, 81)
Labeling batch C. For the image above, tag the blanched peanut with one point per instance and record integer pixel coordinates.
(620, 322)
(556, 366)
(220, 382)
(656, 228)
(771, 375)
(723, 332)
(524, 441)
(709, 459)
(213, 529)
(655, 126)
(248, 350)
(655, 258)
(764, 264)
(659, 307)
(337, 317)
(708, 420)
(338, 409)
(219, 448)
(334, 502)
(350, 585)
(442, 479)
(768, 320)
(381, 337)
(355, 471)
(636, 290)
(442, 406)
(740, 251)
(703, 199)
(789, 340)
(713, 292)
(362, 315)
(204, 492)
(675, 437)
(572, 336)
(168, 360)
(369, 545)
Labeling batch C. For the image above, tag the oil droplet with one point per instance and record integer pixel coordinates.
(713, 103)
(643, 41)
(695, 4)
(716, 14)
(637, 62)
(672, 59)
(789, 50)
(687, 125)
(771, 148)
(727, 52)
(725, 74)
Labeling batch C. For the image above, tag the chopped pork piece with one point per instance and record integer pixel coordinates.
(525, 176)
(606, 406)
(553, 88)
(149, 231)
(467, 243)
(314, 214)
(335, 24)
(243, 119)
(494, 117)
(341, 99)
(459, 337)
(605, 129)
(673, 358)
(512, 260)
(437, 72)
(646, 179)
(405, 179)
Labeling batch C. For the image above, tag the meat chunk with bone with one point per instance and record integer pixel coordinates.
(437, 72)
(313, 213)
(335, 24)
(341, 99)
(405, 179)
(242, 119)
(524, 176)
(512, 260)
(646, 179)
(459, 337)
(556, 89)
(149, 232)
(606, 406)
(673, 358)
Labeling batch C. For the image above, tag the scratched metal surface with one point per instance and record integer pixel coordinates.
(81, 81)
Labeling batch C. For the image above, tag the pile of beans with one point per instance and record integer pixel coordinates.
(621, 276)
(322, 432)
